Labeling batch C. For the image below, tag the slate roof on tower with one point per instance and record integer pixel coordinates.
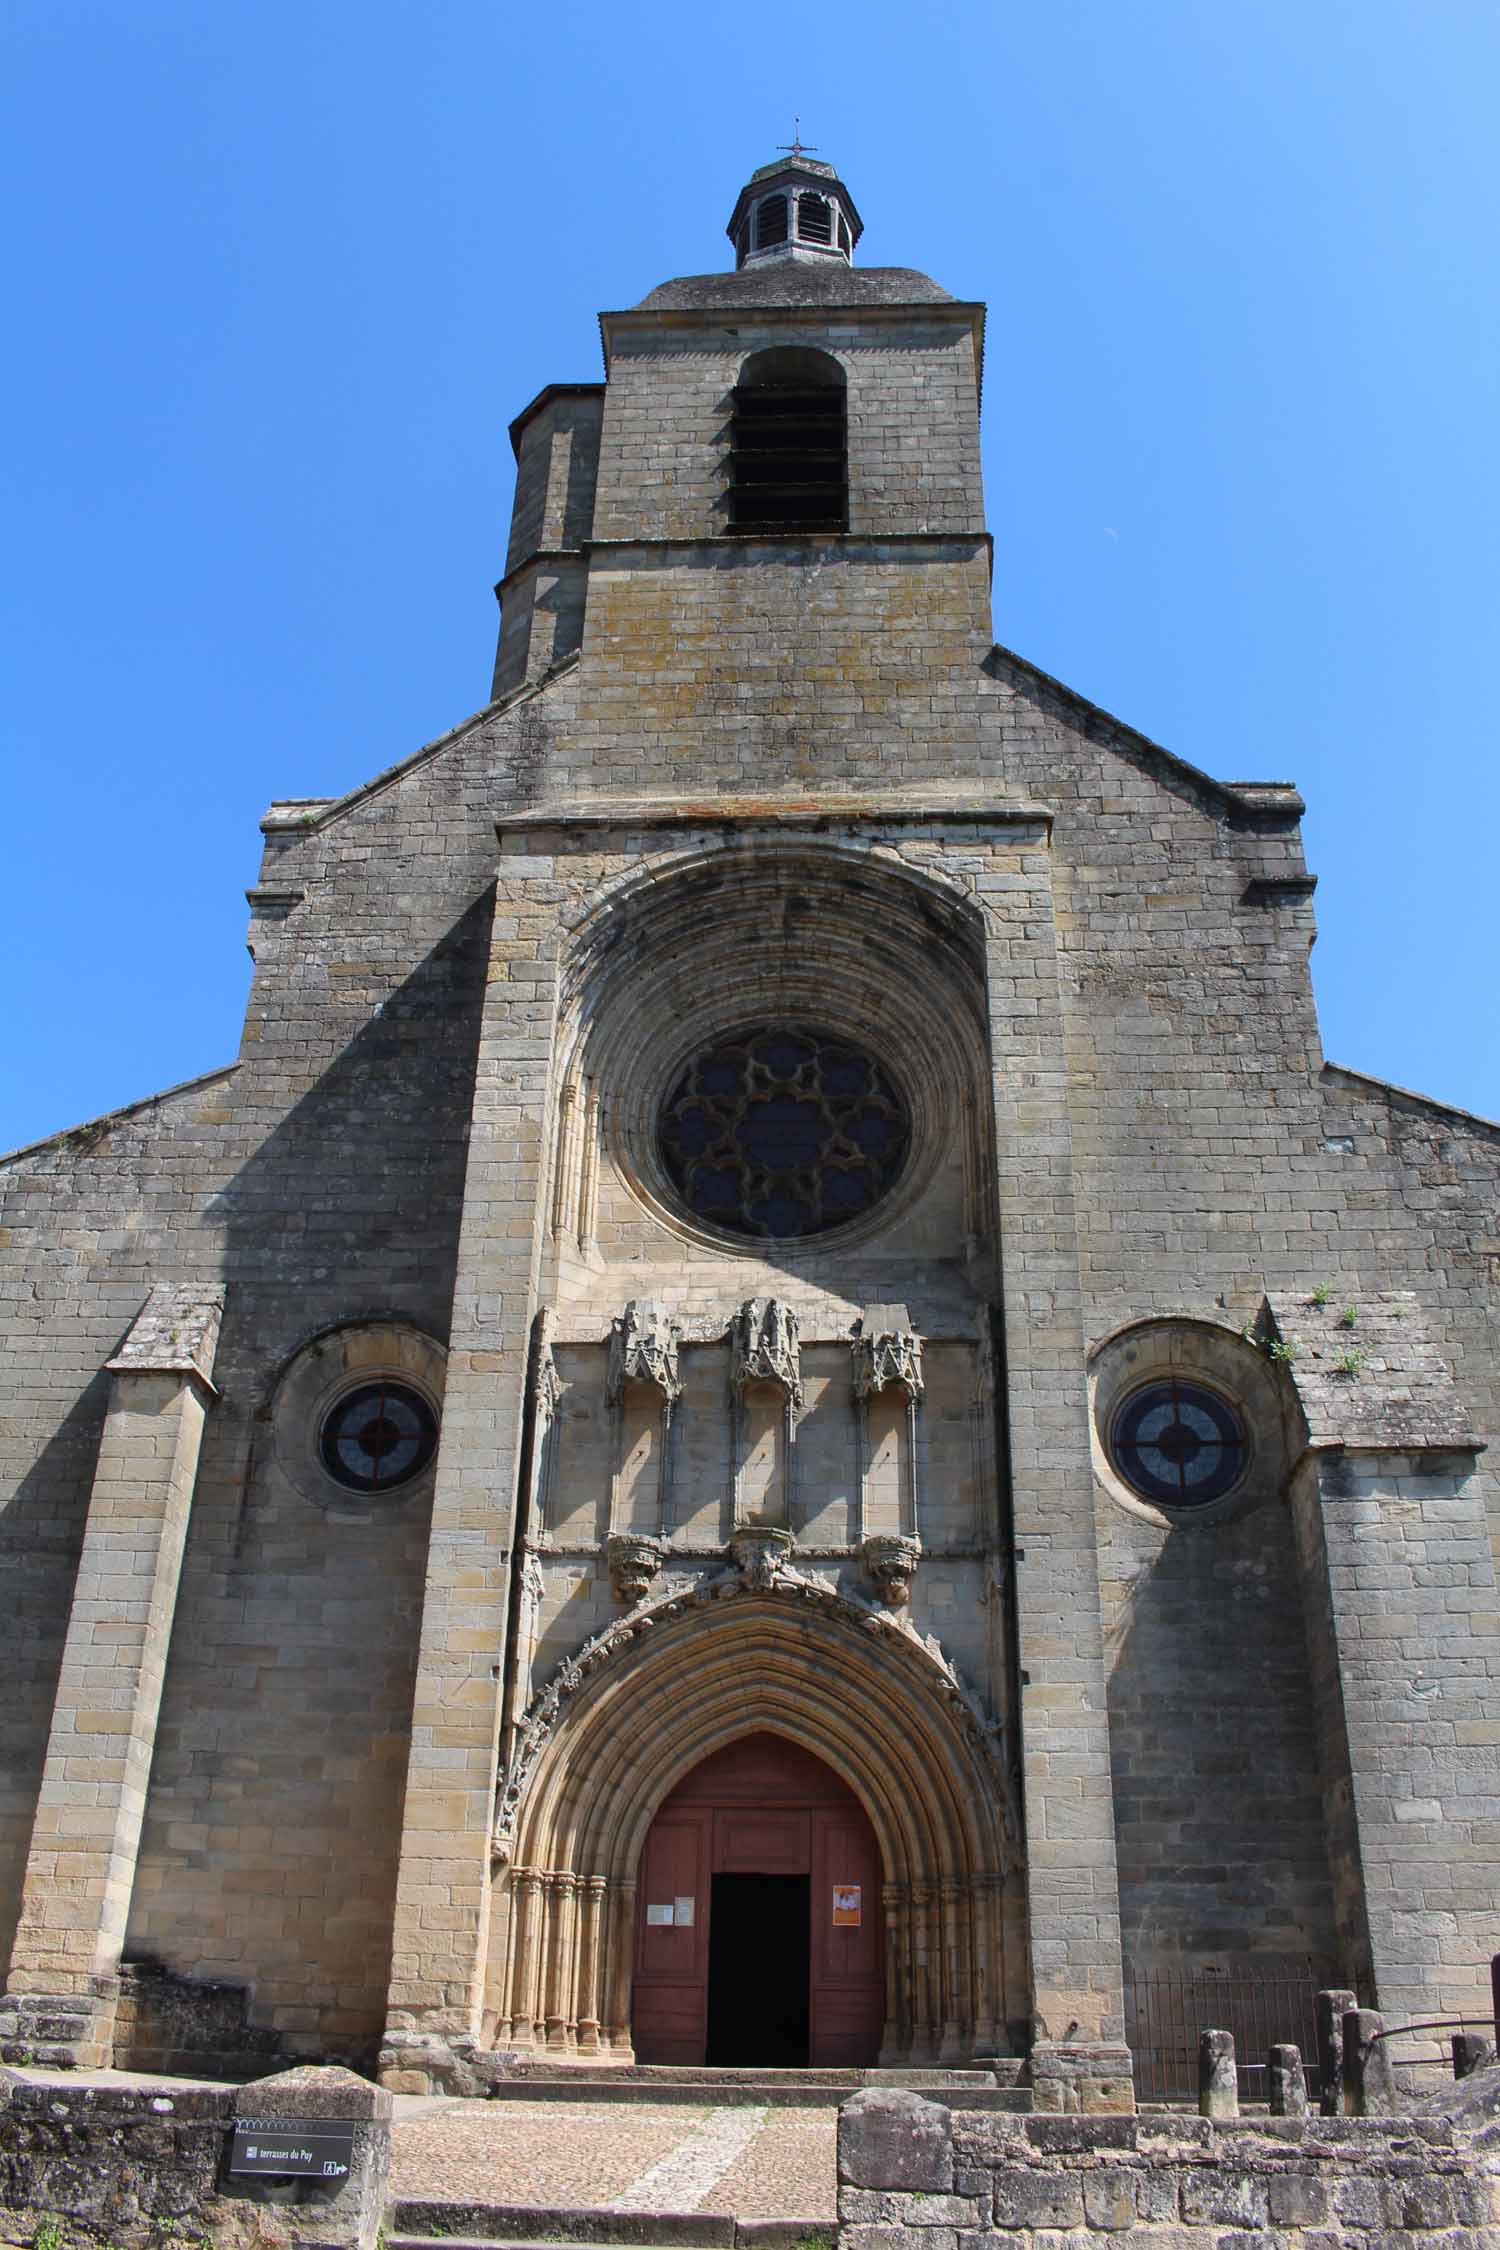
(830, 283)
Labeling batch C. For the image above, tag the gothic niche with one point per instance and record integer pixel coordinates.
(643, 1349)
(887, 1351)
(765, 1388)
(765, 1347)
(886, 1377)
(642, 1386)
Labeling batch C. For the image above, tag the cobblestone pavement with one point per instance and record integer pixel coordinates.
(748, 2163)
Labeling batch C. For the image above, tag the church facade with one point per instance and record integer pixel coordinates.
(780, 1414)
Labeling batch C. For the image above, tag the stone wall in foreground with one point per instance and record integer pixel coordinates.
(914, 2175)
(131, 2166)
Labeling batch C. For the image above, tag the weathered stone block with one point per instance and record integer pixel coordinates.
(1223, 2199)
(1029, 2199)
(347, 2216)
(1298, 2199)
(889, 2138)
(898, 2238)
(1109, 2201)
(875, 2207)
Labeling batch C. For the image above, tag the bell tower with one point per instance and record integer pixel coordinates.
(798, 427)
(795, 209)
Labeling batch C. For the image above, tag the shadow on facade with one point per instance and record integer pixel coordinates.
(269, 1854)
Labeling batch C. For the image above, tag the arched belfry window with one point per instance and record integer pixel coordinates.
(789, 464)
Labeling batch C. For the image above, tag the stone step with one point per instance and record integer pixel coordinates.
(775, 2090)
(520, 2226)
(1004, 2070)
(532, 2242)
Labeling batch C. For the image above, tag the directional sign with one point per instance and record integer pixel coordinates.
(283, 2147)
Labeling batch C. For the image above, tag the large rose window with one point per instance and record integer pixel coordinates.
(781, 1131)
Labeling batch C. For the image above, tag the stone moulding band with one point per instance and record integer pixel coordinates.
(888, 811)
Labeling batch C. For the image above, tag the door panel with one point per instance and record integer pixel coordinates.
(848, 1971)
(749, 1840)
(671, 1962)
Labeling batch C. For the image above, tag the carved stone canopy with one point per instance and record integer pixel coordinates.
(887, 1351)
(633, 1562)
(643, 1349)
(890, 1560)
(761, 1552)
(765, 1347)
(548, 1381)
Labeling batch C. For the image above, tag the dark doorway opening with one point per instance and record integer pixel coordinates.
(758, 1970)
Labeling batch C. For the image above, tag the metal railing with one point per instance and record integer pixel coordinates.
(1167, 2008)
(1281, 2037)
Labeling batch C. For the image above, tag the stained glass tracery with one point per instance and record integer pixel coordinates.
(781, 1131)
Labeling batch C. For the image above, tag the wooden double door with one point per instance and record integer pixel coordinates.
(758, 1931)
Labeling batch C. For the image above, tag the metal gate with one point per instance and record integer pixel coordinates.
(1166, 2009)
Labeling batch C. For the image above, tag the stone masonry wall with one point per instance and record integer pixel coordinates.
(87, 1223)
(133, 2166)
(321, 1179)
(1421, 1194)
(1213, 1748)
(913, 432)
(914, 2175)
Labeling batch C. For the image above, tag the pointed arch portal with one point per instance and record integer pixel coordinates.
(844, 1692)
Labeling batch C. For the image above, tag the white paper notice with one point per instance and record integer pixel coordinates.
(684, 1914)
(659, 1917)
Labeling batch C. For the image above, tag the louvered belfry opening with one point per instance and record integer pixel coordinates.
(770, 222)
(814, 218)
(789, 463)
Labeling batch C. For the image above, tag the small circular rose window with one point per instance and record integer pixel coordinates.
(1179, 1444)
(378, 1437)
(781, 1131)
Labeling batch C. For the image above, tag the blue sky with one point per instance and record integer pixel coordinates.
(282, 274)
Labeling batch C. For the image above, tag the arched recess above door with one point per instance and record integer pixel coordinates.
(647, 1702)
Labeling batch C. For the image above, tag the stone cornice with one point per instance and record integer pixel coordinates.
(889, 809)
(941, 312)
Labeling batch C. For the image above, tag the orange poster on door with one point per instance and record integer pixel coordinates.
(846, 1914)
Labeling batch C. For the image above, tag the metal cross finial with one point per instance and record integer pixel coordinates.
(796, 146)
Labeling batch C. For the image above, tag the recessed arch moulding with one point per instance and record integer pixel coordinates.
(845, 936)
(676, 1681)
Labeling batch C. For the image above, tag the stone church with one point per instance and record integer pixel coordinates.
(780, 1415)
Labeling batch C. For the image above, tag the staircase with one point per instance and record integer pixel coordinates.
(433, 2221)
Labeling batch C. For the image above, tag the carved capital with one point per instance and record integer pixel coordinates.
(643, 1349)
(890, 1561)
(761, 1551)
(765, 1347)
(633, 1562)
(887, 1351)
